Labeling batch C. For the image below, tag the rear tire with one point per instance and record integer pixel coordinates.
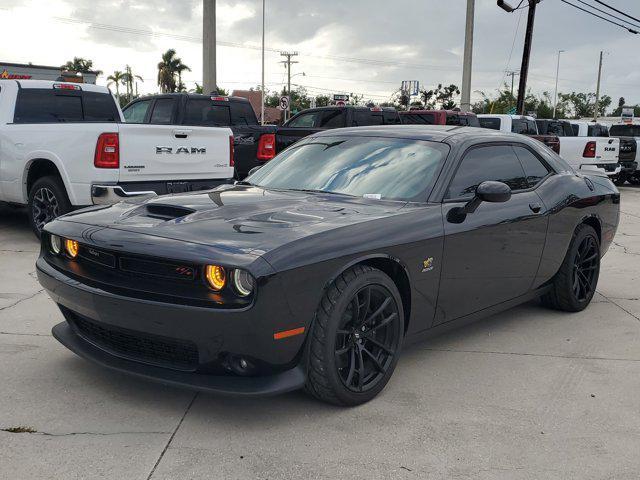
(47, 200)
(575, 283)
(355, 340)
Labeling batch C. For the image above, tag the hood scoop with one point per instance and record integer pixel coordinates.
(163, 212)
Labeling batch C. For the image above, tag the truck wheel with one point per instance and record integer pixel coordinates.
(47, 201)
(355, 340)
(575, 283)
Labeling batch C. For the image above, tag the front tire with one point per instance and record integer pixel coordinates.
(47, 200)
(575, 283)
(356, 337)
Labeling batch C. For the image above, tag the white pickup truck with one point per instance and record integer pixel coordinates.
(65, 145)
(591, 148)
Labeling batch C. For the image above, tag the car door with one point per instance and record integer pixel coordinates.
(491, 255)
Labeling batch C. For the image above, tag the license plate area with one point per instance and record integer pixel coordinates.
(178, 187)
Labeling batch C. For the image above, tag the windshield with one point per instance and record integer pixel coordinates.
(378, 168)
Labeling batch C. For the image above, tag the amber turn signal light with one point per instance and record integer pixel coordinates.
(216, 277)
(71, 247)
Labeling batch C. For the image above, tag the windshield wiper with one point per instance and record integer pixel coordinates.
(311, 190)
(242, 182)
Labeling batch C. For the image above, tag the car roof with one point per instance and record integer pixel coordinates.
(434, 133)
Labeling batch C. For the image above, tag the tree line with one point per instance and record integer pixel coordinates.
(171, 68)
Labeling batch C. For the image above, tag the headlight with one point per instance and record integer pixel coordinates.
(243, 282)
(216, 277)
(72, 247)
(55, 244)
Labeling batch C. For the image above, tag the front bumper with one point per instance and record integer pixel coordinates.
(181, 345)
(286, 381)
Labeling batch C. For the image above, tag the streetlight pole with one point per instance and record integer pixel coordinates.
(209, 83)
(262, 86)
(555, 92)
(465, 103)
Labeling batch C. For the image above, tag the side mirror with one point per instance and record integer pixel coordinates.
(494, 192)
(254, 170)
(489, 191)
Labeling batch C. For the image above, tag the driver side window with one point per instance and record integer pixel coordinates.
(308, 120)
(493, 162)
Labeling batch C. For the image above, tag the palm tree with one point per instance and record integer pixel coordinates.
(80, 65)
(116, 79)
(166, 71)
(181, 67)
(128, 78)
(168, 68)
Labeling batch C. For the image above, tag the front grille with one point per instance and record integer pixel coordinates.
(143, 347)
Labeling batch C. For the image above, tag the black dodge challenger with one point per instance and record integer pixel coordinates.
(318, 268)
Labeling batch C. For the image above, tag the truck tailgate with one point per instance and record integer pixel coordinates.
(607, 149)
(169, 152)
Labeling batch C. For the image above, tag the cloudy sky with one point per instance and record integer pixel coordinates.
(362, 46)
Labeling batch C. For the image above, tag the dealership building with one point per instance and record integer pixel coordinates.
(20, 71)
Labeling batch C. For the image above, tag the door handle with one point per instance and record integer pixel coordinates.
(535, 207)
(181, 133)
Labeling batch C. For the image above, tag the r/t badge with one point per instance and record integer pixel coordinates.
(427, 265)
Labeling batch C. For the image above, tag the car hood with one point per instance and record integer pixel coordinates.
(239, 218)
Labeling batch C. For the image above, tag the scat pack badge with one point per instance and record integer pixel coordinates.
(427, 265)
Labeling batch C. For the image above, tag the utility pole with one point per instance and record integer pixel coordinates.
(262, 87)
(512, 74)
(524, 68)
(595, 113)
(555, 92)
(465, 104)
(209, 83)
(526, 52)
(288, 63)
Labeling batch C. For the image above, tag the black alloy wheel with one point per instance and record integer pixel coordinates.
(356, 337)
(47, 201)
(367, 338)
(45, 207)
(575, 283)
(585, 269)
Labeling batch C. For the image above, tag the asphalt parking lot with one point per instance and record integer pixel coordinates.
(527, 394)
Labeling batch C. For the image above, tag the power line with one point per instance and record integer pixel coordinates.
(607, 13)
(630, 30)
(616, 10)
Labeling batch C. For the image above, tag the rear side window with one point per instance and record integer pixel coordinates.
(163, 111)
(496, 162)
(534, 169)
(39, 105)
(365, 118)
(242, 114)
(333, 119)
(419, 119)
(99, 107)
(469, 120)
(453, 119)
(391, 118)
(307, 120)
(625, 130)
(205, 112)
(489, 122)
(137, 112)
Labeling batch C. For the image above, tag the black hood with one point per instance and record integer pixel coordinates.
(244, 219)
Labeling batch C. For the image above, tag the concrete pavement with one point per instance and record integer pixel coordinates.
(527, 394)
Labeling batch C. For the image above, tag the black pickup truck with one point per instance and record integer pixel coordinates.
(254, 144)
(318, 119)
